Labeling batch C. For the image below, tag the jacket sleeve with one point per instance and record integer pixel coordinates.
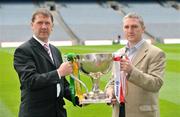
(25, 66)
(152, 79)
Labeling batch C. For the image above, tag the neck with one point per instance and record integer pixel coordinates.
(132, 44)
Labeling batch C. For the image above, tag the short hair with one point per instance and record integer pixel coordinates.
(44, 12)
(134, 15)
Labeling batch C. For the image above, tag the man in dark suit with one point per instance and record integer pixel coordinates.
(41, 71)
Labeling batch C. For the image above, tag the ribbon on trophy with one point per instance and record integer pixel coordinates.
(119, 78)
(75, 86)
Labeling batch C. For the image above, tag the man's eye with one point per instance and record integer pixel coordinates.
(47, 23)
(135, 26)
(126, 27)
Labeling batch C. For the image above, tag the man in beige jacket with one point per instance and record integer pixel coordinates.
(145, 70)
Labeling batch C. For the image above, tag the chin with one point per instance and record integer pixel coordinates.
(131, 39)
(43, 39)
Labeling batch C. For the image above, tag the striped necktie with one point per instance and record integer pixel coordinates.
(46, 47)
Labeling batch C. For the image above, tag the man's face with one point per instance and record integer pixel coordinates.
(42, 27)
(132, 30)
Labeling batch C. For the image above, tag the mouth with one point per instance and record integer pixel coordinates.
(131, 36)
(44, 33)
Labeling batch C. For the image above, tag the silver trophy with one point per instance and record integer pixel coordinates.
(94, 65)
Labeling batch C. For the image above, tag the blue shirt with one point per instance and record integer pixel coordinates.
(131, 52)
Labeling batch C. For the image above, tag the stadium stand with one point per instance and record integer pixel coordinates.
(162, 22)
(15, 23)
(90, 21)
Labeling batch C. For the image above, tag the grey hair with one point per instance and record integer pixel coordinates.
(134, 15)
(44, 12)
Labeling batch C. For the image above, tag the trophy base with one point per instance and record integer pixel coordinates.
(95, 97)
(95, 101)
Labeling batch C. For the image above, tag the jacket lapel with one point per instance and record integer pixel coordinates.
(141, 54)
(53, 52)
(40, 49)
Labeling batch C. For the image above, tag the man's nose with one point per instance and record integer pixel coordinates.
(130, 29)
(44, 25)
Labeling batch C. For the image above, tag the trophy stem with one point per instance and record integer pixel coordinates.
(95, 87)
(95, 77)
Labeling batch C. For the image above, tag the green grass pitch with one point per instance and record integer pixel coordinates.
(169, 93)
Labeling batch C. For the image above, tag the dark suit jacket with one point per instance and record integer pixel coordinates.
(38, 78)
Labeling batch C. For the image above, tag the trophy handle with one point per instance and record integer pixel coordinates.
(112, 80)
(80, 82)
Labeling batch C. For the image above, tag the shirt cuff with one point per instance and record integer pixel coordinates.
(59, 74)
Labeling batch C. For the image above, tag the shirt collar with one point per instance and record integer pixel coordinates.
(41, 42)
(133, 50)
(137, 46)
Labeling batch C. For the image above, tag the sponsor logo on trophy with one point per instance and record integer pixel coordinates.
(94, 65)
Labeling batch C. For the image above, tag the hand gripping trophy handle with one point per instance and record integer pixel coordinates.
(75, 82)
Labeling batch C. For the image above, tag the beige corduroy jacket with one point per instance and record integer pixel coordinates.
(144, 83)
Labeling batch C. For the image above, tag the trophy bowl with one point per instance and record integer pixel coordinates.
(95, 65)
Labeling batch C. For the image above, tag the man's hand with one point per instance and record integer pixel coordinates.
(126, 66)
(110, 95)
(65, 69)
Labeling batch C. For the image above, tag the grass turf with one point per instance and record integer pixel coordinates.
(169, 93)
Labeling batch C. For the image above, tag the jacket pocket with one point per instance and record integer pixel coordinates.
(148, 107)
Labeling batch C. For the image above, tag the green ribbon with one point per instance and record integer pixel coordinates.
(71, 57)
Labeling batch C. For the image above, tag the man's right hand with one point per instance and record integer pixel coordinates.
(65, 68)
(110, 95)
